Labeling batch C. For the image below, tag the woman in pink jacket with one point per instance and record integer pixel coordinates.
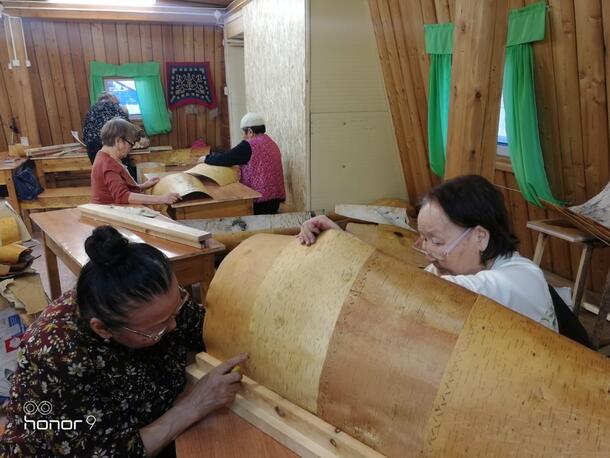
(260, 161)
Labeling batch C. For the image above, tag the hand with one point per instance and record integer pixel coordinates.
(144, 142)
(201, 159)
(149, 183)
(170, 198)
(311, 228)
(216, 389)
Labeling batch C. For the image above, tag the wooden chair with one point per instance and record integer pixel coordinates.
(55, 198)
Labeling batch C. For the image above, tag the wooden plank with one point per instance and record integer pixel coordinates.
(442, 11)
(87, 42)
(168, 53)
(292, 426)
(210, 131)
(159, 228)
(46, 82)
(179, 116)
(133, 43)
(519, 217)
(59, 85)
(593, 103)
(535, 213)
(402, 123)
(146, 43)
(80, 67)
(110, 43)
(218, 81)
(190, 128)
(156, 36)
(199, 56)
(61, 33)
(563, 33)
(428, 13)
(6, 112)
(478, 63)
(121, 35)
(97, 35)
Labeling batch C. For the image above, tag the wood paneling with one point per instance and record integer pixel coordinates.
(572, 89)
(60, 53)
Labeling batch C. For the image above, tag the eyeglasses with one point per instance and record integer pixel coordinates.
(129, 142)
(419, 243)
(184, 298)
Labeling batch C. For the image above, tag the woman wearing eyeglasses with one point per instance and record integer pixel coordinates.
(110, 357)
(111, 182)
(465, 234)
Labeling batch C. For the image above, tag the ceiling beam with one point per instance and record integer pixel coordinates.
(158, 13)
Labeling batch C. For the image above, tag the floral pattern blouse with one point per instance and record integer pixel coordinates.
(66, 372)
(97, 116)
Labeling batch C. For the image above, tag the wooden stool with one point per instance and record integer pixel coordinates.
(565, 231)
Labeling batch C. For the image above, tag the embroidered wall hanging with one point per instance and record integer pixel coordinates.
(190, 83)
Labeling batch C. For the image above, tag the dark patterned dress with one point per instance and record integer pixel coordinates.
(113, 390)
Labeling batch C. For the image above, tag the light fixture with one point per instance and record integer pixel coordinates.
(106, 2)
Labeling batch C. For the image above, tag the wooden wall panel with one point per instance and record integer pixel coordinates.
(573, 93)
(60, 53)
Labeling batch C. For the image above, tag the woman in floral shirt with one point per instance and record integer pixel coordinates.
(101, 372)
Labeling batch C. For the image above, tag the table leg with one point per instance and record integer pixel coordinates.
(604, 308)
(52, 270)
(581, 277)
(40, 173)
(207, 273)
(12, 192)
(540, 245)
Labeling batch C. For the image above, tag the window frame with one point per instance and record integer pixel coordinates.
(132, 117)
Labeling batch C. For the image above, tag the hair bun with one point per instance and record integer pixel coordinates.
(106, 246)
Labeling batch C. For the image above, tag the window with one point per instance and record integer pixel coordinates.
(125, 90)
(502, 138)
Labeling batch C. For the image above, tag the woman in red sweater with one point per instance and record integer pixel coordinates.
(111, 183)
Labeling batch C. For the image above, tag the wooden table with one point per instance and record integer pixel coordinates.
(234, 199)
(79, 162)
(8, 164)
(224, 434)
(64, 237)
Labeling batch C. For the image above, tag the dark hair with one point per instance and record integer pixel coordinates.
(255, 129)
(471, 200)
(118, 275)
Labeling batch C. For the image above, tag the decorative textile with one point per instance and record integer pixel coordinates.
(68, 369)
(148, 86)
(264, 172)
(439, 44)
(190, 83)
(524, 26)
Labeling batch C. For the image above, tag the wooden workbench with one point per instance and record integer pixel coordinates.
(234, 199)
(8, 164)
(79, 162)
(224, 434)
(65, 232)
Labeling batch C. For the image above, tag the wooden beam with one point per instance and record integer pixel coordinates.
(289, 424)
(157, 13)
(476, 86)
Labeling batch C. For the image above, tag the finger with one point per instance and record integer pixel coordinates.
(229, 364)
(232, 377)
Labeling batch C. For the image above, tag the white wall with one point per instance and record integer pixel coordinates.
(354, 156)
(275, 54)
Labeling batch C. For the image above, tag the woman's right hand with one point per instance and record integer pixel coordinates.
(170, 198)
(216, 389)
(311, 228)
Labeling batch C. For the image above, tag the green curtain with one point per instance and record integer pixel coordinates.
(525, 25)
(155, 115)
(439, 45)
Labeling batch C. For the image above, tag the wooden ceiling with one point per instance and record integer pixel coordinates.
(203, 3)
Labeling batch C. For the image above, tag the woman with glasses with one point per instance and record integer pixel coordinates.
(110, 357)
(465, 234)
(111, 182)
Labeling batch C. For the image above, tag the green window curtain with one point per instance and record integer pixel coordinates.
(525, 25)
(148, 86)
(439, 45)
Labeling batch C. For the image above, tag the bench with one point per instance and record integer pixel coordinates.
(55, 198)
